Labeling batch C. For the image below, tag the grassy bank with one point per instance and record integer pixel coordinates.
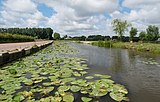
(13, 38)
(138, 46)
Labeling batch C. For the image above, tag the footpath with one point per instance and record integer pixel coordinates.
(13, 51)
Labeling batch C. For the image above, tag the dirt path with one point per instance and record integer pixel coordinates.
(13, 46)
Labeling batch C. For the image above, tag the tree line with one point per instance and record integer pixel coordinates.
(119, 27)
(38, 33)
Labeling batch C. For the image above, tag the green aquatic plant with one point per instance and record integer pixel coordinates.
(75, 88)
(18, 98)
(55, 76)
(86, 99)
(89, 77)
(68, 97)
(12, 71)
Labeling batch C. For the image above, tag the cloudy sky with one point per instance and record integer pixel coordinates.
(79, 17)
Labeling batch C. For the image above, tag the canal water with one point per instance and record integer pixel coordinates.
(138, 72)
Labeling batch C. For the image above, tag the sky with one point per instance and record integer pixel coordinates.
(79, 17)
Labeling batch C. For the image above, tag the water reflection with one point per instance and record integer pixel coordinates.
(126, 67)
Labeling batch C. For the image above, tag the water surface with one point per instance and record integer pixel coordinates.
(126, 68)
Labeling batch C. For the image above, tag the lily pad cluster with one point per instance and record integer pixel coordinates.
(150, 61)
(52, 75)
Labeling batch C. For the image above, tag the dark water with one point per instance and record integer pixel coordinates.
(126, 68)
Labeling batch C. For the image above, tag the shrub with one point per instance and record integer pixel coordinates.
(12, 38)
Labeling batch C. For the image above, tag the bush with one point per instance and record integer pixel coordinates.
(12, 38)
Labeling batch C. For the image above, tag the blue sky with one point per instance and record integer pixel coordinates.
(79, 17)
(46, 11)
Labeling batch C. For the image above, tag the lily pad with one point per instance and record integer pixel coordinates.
(68, 98)
(76, 74)
(89, 77)
(57, 99)
(63, 88)
(28, 82)
(12, 71)
(75, 88)
(119, 88)
(53, 78)
(118, 96)
(102, 76)
(18, 98)
(86, 99)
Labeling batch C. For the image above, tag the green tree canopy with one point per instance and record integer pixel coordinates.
(142, 35)
(119, 27)
(133, 33)
(40, 33)
(152, 33)
(57, 36)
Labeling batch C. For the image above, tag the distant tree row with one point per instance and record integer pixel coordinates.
(89, 38)
(40, 33)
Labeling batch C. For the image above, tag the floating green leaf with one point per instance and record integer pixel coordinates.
(102, 76)
(89, 77)
(18, 98)
(68, 98)
(117, 96)
(64, 88)
(12, 71)
(86, 99)
(75, 88)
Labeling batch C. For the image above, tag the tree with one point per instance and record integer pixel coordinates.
(49, 33)
(120, 27)
(133, 33)
(57, 36)
(40, 33)
(152, 33)
(142, 35)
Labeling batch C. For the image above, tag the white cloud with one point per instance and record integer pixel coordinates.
(20, 6)
(140, 3)
(76, 17)
(89, 7)
(21, 13)
(144, 10)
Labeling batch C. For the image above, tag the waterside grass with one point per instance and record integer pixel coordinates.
(137, 46)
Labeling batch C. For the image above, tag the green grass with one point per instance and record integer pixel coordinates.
(13, 38)
(143, 47)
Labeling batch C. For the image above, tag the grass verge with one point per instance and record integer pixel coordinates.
(138, 46)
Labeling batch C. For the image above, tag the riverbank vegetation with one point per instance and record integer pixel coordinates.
(137, 46)
(13, 38)
(53, 76)
(38, 33)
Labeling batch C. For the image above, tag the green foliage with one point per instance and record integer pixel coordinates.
(61, 85)
(120, 27)
(12, 71)
(152, 33)
(142, 35)
(40, 33)
(57, 36)
(102, 43)
(79, 38)
(18, 98)
(143, 47)
(133, 33)
(11, 38)
(97, 38)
